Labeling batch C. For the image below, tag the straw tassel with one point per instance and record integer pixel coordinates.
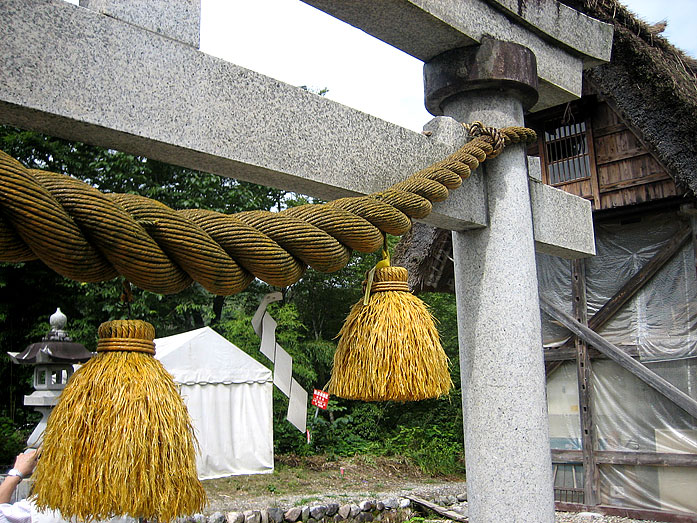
(389, 347)
(120, 441)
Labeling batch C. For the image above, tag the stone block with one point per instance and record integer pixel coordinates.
(332, 508)
(364, 517)
(427, 28)
(404, 503)
(391, 503)
(274, 515)
(379, 505)
(252, 516)
(562, 222)
(535, 168)
(305, 513)
(355, 510)
(366, 505)
(177, 19)
(462, 497)
(235, 517)
(264, 515)
(318, 511)
(294, 514)
(344, 511)
(217, 517)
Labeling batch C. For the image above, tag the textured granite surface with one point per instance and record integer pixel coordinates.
(177, 19)
(509, 469)
(563, 223)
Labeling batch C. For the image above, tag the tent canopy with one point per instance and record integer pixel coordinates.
(203, 357)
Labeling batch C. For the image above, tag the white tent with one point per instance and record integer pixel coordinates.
(229, 397)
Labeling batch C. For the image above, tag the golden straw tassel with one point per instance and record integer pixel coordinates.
(120, 441)
(389, 347)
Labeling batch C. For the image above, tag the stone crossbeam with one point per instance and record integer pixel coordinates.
(73, 73)
(563, 40)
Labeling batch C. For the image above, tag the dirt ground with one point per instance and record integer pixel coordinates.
(306, 480)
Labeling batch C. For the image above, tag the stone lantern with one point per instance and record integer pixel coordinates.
(53, 359)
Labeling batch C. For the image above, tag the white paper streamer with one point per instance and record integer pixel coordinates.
(265, 327)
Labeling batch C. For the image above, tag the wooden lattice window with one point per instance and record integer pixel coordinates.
(567, 155)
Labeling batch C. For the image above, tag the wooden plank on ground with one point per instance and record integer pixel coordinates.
(642, 372)
(450, 514)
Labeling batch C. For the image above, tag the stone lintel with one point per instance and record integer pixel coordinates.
(563, 40)
(76, 74)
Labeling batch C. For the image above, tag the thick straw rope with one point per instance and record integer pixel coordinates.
(88, 236)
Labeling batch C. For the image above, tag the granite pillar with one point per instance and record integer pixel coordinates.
(509, 470)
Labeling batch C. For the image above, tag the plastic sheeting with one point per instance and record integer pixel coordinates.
(630, 416)
(660, 319)
(229, 397)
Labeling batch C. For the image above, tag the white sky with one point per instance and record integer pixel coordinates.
(300, 45)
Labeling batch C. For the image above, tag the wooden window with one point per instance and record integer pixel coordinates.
(567, 155)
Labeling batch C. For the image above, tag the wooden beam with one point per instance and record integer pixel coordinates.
(565, 353)
(636, 282)
(633, 513)
(634, 182)
(584, 373)
(649, 377)
(617, 457)
(595, 182)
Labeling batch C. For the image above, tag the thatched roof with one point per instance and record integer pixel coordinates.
(652, 84)
(649, 81)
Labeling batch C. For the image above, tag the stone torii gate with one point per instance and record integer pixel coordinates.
(127, 74)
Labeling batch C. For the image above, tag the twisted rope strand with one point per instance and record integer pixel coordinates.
(88, 236)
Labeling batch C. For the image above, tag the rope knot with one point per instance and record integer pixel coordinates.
(497, 138)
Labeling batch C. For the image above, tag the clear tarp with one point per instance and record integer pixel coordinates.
(629, 415)
(660, 319)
